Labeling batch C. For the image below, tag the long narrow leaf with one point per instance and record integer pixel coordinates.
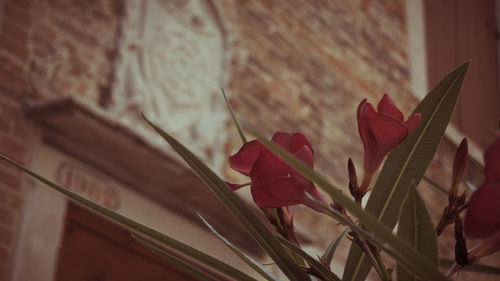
(328, 255)
(187, 267)
(238, 126)
(139, 228)
(477, 267)
(415, 227)
(238, 208)
(248, 260)
(321, 269)
(408, 163)
(406, 253)
(395, 253)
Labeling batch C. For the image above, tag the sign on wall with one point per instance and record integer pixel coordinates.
(83, 183)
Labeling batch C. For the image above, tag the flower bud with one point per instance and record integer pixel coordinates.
(382, 130)
(459, 165)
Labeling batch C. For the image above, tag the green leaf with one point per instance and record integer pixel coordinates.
(248, 260)
(321, 269)
(238, 208)
(408, 163)
(415, 227)
(328, 255)
(477, 267)
(195, 271)
(399, 246)
(238, 126)
(139, 228)
(405, 254)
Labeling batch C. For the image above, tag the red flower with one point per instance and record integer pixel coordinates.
(274, 183)
(483, 215)
(383, 130)
(492, 161)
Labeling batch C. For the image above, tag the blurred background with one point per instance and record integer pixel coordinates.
(75, 74)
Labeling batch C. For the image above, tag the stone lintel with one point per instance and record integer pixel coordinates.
(86, 132)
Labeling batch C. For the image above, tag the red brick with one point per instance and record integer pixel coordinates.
(4, 272)
(14, 201)
(10, 180)
(7, 117)
(80, 34)
(6, 216)
(13, 83)
(5, 236)
(13, 47)
(4, 255)
(11, 65)
(11, 148)
(43, 41)
(18, 13)
(3, 195)
(15, 33)
(11, 121)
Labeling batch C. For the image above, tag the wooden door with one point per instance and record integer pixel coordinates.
(94, 249)
(458, 31)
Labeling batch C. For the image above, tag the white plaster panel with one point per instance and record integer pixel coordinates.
(171, 68)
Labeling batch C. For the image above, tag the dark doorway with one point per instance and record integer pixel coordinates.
(94, 249)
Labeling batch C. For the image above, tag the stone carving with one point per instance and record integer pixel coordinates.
(83, 183)
(171, 68)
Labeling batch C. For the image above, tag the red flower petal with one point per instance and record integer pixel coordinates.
(267, 167)
(387, 107)
(365, 110)
(486, 246)
(413, 122)
(388, 132)
(298, 141)
(305, 155)
(282, 139)
(274, 183)
(483, 215)
(382, 131)
(235, 186)
(282, 191)
(361, 119)
(318, 196)
(244, 159)
(285, 191)
(492, 161)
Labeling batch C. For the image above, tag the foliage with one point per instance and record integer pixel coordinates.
(281, 176)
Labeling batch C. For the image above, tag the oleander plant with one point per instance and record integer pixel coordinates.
(394, 220)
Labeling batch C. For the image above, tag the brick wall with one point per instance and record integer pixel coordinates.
(14, 132)
(47, 49)
(71, 48)
(306, 65)
(296, 65)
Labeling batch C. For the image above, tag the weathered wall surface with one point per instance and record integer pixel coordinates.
(70, 48)
(286, 65)
(306, 65)
(48, 49)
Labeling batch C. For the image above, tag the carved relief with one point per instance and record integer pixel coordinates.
(87, 185)
(171, 68)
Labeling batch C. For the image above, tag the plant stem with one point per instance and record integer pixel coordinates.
(367, 178)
